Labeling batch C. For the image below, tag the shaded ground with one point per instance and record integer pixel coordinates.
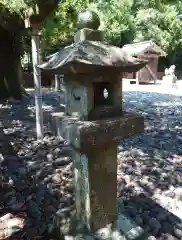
(36, 179)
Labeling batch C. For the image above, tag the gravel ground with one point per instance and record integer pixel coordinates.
(36, 178)
(149, 165)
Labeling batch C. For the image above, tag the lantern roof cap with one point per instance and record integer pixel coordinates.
(90, 56)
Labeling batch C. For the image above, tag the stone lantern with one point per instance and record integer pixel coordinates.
(94, 121)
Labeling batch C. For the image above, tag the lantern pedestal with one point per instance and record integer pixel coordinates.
(94, 155)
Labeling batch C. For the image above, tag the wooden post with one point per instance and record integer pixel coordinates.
(36, 60)
(57, 83)
(61, 82)
(137, 79)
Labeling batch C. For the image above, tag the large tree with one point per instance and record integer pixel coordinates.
(13, 14)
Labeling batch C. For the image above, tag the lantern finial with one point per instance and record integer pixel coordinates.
(88, 19)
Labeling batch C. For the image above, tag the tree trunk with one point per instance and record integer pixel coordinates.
(56, 83)
(4, 93)
(9, 66)
(13, 78)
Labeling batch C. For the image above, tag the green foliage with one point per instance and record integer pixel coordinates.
(60, 25)
(117, 20)
(123, 21)
(159, 25)
(17, 6)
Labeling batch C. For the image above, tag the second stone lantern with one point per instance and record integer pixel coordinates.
(94, 121)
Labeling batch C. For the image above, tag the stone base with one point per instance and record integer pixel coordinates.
(55, 123)
(90, 135)
(179, 84)
(169, 81)
(66, 226)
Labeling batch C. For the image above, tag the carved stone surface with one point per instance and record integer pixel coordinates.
(92, 135)
(95, 180)
(81, 183)
(77, 100)
(95, 134)
(103, 183)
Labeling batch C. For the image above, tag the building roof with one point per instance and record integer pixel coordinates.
(143, 47)
(179, 16)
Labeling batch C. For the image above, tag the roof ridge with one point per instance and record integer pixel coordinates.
(140, 43)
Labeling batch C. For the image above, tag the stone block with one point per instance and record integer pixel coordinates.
(95, 177)
(91, 135)
(88, 34)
